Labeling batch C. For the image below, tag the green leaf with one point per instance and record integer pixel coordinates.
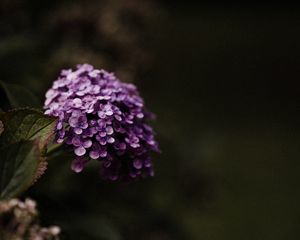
(19, 96)
(26, 124)
(22, 147)
(19, 165)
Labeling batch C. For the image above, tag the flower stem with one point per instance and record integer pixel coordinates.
(53, 149)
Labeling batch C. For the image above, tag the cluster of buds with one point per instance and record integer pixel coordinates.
(18, 221)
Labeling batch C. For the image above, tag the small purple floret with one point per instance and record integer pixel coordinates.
(101, 118)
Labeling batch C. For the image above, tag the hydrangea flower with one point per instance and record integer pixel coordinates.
(101, 118)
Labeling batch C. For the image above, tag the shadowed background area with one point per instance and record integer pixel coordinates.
(224, 84)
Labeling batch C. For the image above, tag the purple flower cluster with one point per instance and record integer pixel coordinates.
(104, 119)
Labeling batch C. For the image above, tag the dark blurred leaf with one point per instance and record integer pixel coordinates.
(18, 167)
(26, 124)
(19, 96)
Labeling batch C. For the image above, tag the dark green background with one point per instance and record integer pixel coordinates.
(223, 81)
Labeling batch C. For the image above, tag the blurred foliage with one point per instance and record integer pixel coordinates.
(223, 82)
(42, 38)
(18, 96)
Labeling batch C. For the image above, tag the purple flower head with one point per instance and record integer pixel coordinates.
(101, 118)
